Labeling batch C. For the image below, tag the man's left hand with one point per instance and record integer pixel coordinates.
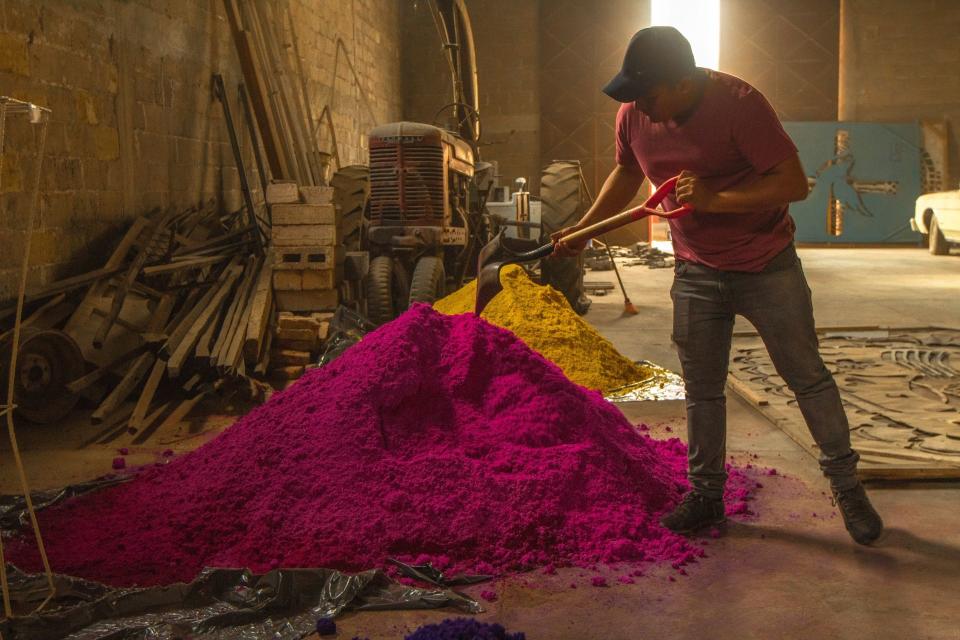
(691, 190)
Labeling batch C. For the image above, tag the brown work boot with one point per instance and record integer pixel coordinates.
(861, 519)
(694, 512)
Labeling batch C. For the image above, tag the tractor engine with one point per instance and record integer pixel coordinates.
(419, 188)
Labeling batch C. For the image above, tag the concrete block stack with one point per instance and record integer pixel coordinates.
(307, 256)
(297, 343)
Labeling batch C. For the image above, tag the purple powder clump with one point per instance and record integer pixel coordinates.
(123, 451)
(119, 463)
(489, 596)
(598, 581)
(464, 629)
(326, 626)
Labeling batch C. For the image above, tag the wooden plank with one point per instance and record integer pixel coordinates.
(264, 362)
(258, 322)
(146, 396)
(124, 285)
(236, 318)
(746, 392)
(234, 355)
(125, 387)
(178, 332)
(84, 382)
(191, 263)
(254, 78)
(176, 416)
(189, 340)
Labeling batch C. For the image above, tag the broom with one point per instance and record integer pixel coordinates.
(628, 307)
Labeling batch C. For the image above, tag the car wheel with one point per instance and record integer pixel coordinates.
(938, 242)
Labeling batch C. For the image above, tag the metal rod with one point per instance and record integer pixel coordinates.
(221, 94)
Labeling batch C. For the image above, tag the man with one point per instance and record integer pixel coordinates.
(734, 255)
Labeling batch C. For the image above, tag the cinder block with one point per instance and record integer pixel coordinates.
(310, 345)
(287, 320)
(298, 235)
(289, 357)
(288, 280)
(287, 373)
(307, 300)
(306, 334)
(316, 195)
(314, 280)
(282, 192)
(308, 257)
(284, 214)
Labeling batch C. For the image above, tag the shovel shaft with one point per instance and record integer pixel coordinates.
(648, 208)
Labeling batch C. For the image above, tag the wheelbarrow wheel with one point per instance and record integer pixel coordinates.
(387, 289)
(47, 361)
(427, 283)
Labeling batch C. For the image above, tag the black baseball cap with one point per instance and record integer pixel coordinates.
(655, 54)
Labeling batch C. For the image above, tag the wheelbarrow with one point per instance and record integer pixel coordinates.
(498, 253)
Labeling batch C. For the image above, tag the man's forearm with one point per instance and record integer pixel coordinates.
(782, 184)
(766, 193)
(618, 190)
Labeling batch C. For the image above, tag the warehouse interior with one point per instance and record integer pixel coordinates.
(400, 319)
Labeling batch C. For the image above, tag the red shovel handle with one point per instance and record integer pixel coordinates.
(626, 217)
(649, 208)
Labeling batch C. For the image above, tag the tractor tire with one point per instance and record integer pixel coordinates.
(562, 204)
(387, 289)
(938, 242)
(351, 191)
(428, 283)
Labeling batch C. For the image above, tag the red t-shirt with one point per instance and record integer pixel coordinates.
(732, 138)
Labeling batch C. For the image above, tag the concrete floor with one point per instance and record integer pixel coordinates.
(786, 574)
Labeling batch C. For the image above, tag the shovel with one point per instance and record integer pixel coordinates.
(497, 253)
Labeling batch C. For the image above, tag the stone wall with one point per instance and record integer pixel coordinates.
(134, 124)
(899, 61)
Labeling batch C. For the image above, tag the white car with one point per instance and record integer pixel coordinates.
(937, 215)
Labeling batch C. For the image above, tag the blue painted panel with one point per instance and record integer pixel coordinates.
(872, 170)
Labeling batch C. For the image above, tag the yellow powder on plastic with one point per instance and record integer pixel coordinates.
(542, 318)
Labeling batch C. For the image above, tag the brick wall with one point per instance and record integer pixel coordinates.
(506, 37)
(134, 125)
(899, 61)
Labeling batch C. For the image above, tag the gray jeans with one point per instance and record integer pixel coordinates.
(777, 302)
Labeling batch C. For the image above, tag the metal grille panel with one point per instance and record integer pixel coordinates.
(406, 184)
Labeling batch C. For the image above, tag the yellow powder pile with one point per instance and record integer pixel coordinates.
(542, 318)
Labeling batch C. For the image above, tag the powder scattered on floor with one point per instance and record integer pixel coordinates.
(542, 317)
(439, 438)
(464, 629)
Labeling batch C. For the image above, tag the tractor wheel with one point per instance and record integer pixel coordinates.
(351, 190)
(387, 289)
(938, 242)
(428, 282)
(563, 202)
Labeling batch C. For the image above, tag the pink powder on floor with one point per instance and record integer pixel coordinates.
(439, 436)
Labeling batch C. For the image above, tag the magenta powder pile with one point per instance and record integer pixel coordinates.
(437, 437)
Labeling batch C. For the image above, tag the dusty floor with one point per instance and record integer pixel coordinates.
(791, 573)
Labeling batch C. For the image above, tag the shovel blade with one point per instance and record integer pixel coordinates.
(488, 286)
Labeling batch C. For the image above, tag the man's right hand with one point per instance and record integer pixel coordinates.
(565, 249)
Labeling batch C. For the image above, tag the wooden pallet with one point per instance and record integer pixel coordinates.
(896, 408)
